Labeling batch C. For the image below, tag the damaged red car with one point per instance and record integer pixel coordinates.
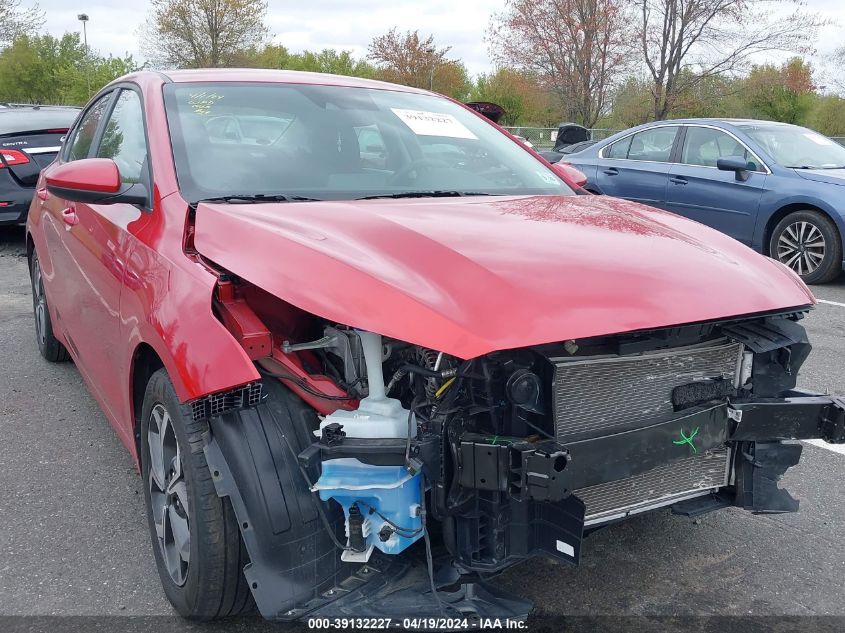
(364, 345)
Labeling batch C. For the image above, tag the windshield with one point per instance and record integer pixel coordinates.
(798, 147)
(339, 143)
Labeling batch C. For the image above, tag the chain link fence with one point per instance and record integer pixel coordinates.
(544, 137)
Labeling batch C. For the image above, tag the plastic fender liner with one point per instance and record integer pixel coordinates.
(293, 560)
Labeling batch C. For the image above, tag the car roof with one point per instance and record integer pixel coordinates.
(264, 75)
(719, 121)
(737, 125)
(18, 119)
(35, 107)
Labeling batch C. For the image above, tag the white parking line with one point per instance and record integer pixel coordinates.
(831, 303)
(836, 448)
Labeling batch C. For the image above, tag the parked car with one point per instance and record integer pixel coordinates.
(775, 187)
(569, 138)
(317, 363)
(492, 111)
(556, 157)
(576, 147)
(30, 136)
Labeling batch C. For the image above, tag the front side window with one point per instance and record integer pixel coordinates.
(705, 146)
(653, 145)
(123, 139)
(340, 143)
(83, 135)
(797, 147)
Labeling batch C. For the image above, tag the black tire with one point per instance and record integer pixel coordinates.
(211, 583)
(49, 346)
(808, 242)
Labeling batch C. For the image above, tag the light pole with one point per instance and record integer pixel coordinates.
(83, 17)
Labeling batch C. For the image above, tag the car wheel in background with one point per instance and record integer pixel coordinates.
(196, 542)
(48, 345)
(808, 242)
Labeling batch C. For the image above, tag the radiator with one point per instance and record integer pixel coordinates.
(669, 483)
(598, 396)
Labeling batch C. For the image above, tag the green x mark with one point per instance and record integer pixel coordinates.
(687, 440)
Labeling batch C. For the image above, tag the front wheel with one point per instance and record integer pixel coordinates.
(196, 542)
(808, 242)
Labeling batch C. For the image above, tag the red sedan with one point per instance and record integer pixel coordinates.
(332, 317)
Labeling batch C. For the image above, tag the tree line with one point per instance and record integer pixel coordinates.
(40, 68)
(601, 63)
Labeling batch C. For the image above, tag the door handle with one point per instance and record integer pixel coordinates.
(678, 180)
(611, 171)
(43, 194)
(69, 216)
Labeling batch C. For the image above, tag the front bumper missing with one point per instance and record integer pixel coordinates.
(617, 456)
(668, 462)
(796, 416)
(754, 430)
(759, 465)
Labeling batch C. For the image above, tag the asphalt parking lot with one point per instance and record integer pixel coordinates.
(73, 536)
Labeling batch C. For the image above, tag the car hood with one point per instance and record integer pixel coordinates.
(829, 176)
(468, 276)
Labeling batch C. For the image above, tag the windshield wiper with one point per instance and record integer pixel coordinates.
(258, 197)
(426, 194)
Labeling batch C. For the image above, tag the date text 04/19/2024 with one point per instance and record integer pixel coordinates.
(420, 623)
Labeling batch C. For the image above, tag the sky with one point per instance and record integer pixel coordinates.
(349, 24)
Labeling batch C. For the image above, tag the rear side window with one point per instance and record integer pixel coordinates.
(653, 145)
(83, 135)
(619, 149)
(123, 139)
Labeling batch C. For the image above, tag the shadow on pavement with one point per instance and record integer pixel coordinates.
(12, 241)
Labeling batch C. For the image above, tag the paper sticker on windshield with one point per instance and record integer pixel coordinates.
(548, 177)
(425, 123)
(818, 139)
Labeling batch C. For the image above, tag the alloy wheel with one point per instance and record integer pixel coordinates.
(168, 495)
(801, 246)
(40, 302)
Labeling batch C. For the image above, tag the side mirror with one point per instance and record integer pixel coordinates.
(93, 180)
(570, 174)
(735, 164)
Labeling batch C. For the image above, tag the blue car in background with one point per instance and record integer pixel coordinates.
(776, 187)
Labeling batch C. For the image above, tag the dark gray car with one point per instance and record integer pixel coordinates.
(30, 137)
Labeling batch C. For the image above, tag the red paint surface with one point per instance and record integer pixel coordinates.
(570, 174)
(91, 174)
(468, 276)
